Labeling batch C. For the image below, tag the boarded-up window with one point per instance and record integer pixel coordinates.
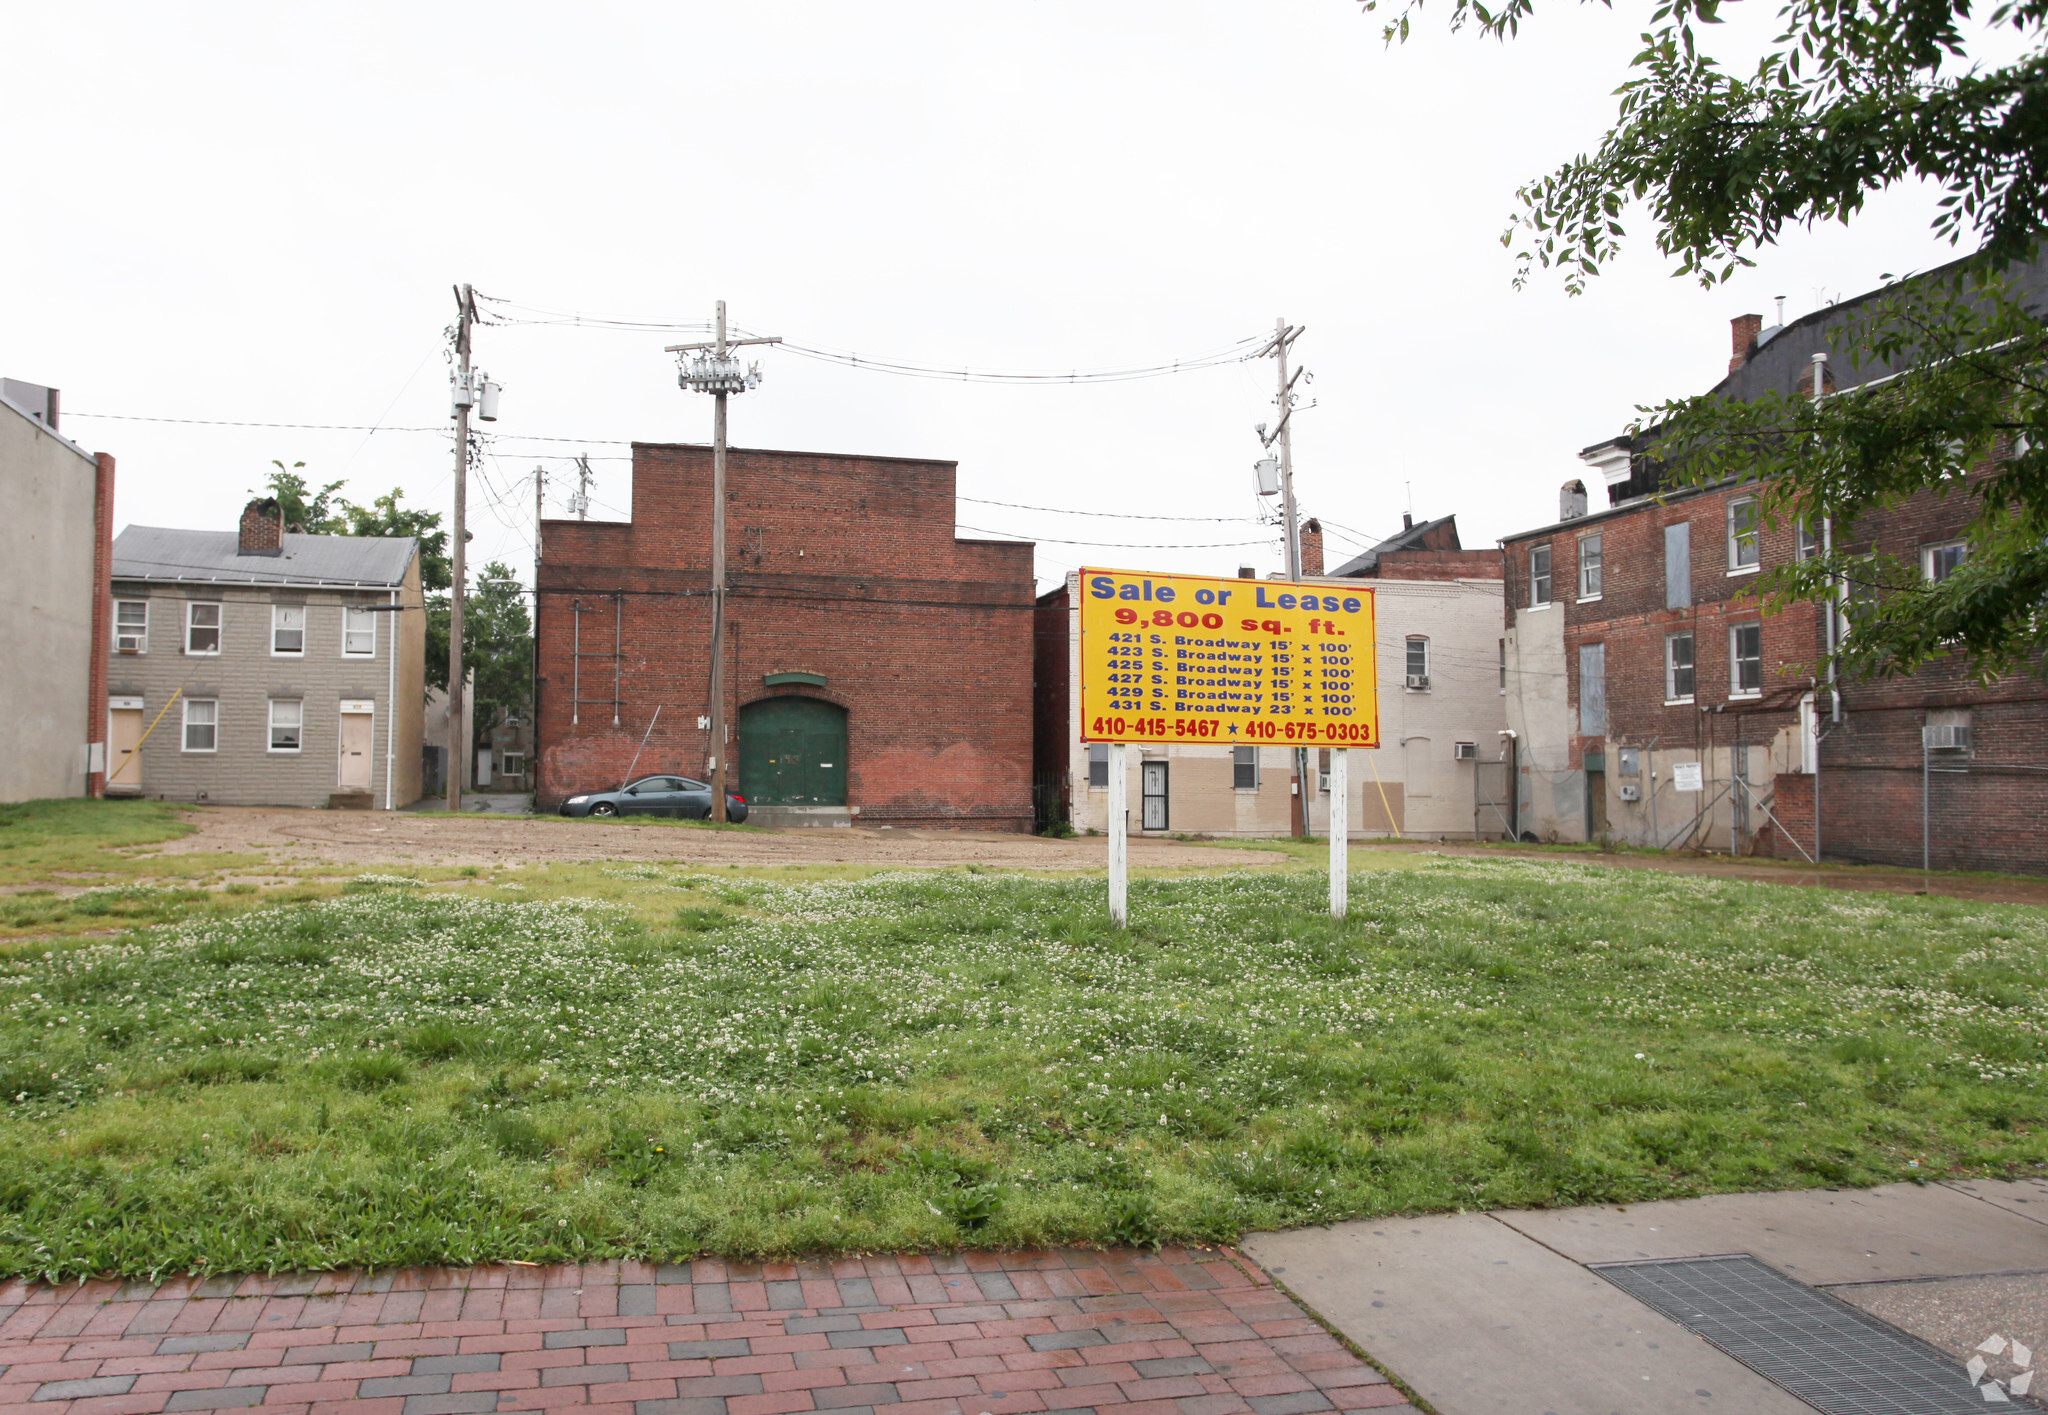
(1592, 690)
(1678, 566)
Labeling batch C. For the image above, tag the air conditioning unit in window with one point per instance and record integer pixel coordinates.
(1466, 752)
(1947, 738)
(1418, 681)
(127, 643)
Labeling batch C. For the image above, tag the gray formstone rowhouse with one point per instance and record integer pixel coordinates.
(266, 668)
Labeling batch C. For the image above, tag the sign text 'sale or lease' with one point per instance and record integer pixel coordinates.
(1195, 658)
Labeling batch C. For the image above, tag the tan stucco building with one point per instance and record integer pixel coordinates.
(265, 668)
(53, 566)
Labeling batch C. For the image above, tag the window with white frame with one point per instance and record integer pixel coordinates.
(202, 628)
(287, 724)
(1678, 668)
(1539, 576)
(1809, 544)
(1098, 764)
(1418, 663)
(358, 632)
(1745, 660)
(202, 725)
(1244, 768)
(131, 626)
(1938, 562)
(288, 630)
(1742, 534)
(513, 764)
(1589, 567)
(1503, 666)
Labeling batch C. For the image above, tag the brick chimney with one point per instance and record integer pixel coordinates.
(262, 528)
(1312, 548)
(1743, 330)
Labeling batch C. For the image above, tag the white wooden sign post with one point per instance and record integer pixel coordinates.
(1119, 839)
(1340, 831)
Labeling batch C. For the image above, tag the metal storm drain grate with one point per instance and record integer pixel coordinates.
(1834, 1357)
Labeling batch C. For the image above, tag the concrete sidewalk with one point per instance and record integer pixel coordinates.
(1485, 1314)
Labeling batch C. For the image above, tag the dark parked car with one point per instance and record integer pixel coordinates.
(656, 796)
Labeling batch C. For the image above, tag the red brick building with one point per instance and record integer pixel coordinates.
(878, 671)
(1655, 701)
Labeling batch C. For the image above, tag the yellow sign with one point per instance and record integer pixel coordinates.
(1195, 658)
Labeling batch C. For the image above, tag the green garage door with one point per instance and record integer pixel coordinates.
(793, 752)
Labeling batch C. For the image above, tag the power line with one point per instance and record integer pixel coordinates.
(1124, 545)
(620, 442)
(1112, 515)
(1237, 351)
(307, 427)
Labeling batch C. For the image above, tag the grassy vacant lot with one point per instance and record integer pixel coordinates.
(696, 1062)
(89, 848)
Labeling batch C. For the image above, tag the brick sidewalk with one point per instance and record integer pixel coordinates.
(1179, 1333)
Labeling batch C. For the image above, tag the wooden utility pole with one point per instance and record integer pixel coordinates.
(465, 399)
(1284, 336)
(716, 372)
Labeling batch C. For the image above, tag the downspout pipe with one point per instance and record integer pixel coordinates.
(1838, 596)
(391, 700)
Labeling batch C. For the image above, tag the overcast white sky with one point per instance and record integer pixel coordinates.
(255, 212)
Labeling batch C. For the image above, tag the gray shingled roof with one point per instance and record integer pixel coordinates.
(160, 553)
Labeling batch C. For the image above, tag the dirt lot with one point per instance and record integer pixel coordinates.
(302, 837)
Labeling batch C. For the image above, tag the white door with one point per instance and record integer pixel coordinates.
(1152, 778)
(124, 755)
(354, 773)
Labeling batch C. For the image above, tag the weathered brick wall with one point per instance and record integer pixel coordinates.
(1439, 565)
(1629, 617)
(1789, 831)
(1988, 809)
(841, 566)
(1052, 703)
